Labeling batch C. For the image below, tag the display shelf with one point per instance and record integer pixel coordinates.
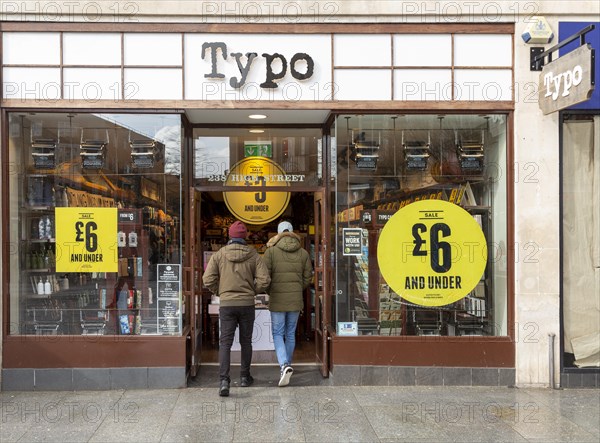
(25, 209)
(36, 296)
(63, 293)
(478, 208)
(407, 192)
(40, 240)
(112, 309)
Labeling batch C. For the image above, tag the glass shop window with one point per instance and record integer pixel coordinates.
(297, 152)
(95, 207)
(385, 163)
(580, 161)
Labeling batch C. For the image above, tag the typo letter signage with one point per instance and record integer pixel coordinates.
(301, 66)
(567, 80)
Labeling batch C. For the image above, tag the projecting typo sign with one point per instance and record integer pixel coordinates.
(567, 80)
(256, 174)
(432, 252)
(86, 240)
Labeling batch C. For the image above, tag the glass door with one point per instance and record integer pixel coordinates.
(322, 281)
(192, 284)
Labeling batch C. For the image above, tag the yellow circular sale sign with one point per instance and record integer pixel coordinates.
(432, 252)
(259, 206)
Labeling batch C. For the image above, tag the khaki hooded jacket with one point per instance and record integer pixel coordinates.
(236, 274)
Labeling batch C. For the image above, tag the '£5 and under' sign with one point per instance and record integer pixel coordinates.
(260, 206)
(86, 240)
(432, 252)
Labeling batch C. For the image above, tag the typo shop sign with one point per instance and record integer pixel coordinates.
(277, 66)
(567, 80)
(258, 67)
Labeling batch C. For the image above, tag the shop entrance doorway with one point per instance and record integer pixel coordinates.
(261, 176)
(212, 231)
(213, 218)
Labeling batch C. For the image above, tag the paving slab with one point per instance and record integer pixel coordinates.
(304, 412)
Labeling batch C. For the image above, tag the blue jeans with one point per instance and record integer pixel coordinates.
(283, 326)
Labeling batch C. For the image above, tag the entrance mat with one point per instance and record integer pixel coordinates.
(264, 376)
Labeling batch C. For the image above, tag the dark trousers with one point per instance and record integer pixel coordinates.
(230, 317)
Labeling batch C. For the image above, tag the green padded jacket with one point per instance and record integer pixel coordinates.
(291, 272)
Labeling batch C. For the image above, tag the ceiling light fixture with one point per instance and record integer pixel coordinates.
(256, 131)
(257, 116)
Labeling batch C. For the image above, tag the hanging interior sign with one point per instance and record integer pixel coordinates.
(470, 156)
(567, 80)
(470, 153)
(432, 253)
(256, 174)
(43, 151)
(92, 148)
(92, 151)
(258, 149)
(365, 153)
(143, 153)
(86, 240)
(416, 153)
(383, 216)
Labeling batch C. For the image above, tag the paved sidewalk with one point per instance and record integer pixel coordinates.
(265, 413)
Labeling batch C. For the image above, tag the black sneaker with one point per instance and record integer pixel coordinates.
(246, 380)
(224, 388)
(286, 374)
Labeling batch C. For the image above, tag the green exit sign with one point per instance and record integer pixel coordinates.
(260, 149)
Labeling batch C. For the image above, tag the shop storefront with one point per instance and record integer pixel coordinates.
(126, 165)
(580, 216)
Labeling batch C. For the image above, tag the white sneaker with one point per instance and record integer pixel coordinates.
(286, 374)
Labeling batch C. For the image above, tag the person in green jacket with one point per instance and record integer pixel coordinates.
(236, 274)
(291, 272)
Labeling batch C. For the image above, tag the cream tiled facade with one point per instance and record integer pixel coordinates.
(536, 221)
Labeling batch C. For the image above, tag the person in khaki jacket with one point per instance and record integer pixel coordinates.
(236, 274)
(291, 272)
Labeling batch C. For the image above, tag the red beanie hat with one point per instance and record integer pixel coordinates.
(238, 230)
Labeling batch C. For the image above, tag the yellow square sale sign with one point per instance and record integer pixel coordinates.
(86, 240)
